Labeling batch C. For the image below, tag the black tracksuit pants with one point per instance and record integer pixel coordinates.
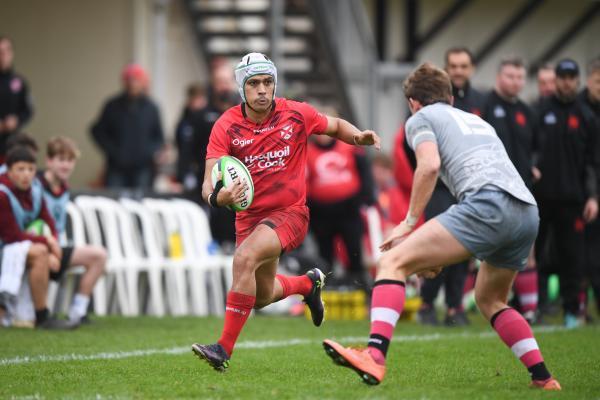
(561, 223)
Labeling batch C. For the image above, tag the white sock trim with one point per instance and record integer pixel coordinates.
(524, 346)
(384, 314)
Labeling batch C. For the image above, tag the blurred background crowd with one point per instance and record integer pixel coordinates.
(139, 84)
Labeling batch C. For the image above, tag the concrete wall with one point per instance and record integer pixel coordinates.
(72, 52)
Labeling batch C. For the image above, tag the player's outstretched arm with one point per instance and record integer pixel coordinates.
(346, 132)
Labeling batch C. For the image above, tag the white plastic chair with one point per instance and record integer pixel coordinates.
(167, 224)
(113, 212)
(98, 218)
(146, 249)
(59, 296)
(197, 238)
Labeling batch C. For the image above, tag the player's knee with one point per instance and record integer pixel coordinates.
(244, 261)
(389, 262)
(37, 251)
(384, 262)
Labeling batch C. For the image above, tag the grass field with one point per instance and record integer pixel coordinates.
(282, 358)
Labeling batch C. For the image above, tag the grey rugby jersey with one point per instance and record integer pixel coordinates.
(472, 156)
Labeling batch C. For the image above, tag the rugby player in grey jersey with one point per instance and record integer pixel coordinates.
(496, 220)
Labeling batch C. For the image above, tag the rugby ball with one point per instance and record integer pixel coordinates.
(231, 169)
(38, 227)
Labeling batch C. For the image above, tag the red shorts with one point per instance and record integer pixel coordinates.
(290, 225)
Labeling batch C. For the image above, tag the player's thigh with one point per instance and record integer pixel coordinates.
(261, 245)
(86, 255)
(430, 246)
(492, 288)
(265, 279)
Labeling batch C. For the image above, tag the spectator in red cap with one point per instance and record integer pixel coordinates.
(129, 132)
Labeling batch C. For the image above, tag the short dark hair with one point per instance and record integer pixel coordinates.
(456, 50)
(5, 38)
(21, 139)
(428, 84)
(546, 66)
(20, 154)
(593, 66)
(513, 61)
(62, 146)
(195, 89)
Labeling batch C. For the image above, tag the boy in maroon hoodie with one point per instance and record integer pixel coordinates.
(21, 202)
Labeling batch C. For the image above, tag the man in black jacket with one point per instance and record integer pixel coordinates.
(130, 134)
(514, 123)
(567, 189)
(512, 119)
(188, 165)
(460, 68)
(15, 103)
(590, 96)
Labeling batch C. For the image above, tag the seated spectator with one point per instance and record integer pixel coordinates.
(129, 133)
(61, 156)
(22, 202)
(18, 140)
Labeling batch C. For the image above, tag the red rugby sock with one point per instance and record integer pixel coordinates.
(237, 311)
(301, 285)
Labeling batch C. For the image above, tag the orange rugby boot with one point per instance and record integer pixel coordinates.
(359, 360)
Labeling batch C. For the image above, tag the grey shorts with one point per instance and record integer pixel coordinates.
(495, 227)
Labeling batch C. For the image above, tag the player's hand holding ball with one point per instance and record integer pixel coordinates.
(232, 194)
(367, 138)
(232, 184)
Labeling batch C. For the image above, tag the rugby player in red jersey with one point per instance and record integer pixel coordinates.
(269, 135)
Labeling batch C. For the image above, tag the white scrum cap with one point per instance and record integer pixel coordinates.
(254, 64)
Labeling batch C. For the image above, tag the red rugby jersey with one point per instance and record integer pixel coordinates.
(274, 151)
(332, 173)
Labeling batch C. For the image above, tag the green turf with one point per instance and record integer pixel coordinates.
(458, 366)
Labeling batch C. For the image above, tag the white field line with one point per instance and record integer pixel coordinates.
(263, 344)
